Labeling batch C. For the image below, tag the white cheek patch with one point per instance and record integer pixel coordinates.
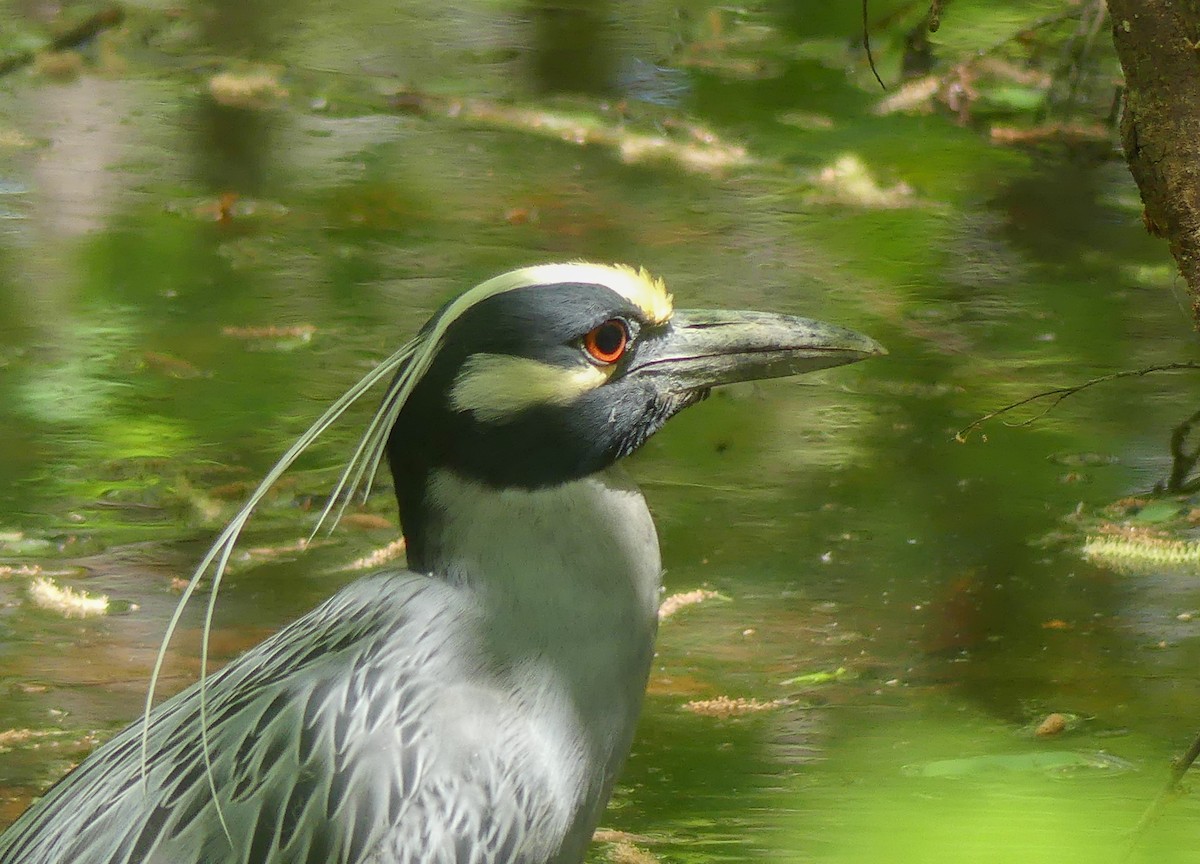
(494, 387)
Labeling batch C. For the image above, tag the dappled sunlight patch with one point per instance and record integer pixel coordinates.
(66, 601)
(384, 555)
(7, 570)
(624, 852)
(725, 707)
(244, 559)
(687, 144)
(849, 181)
(612, 835)
(252, 88)
(911, 97)
(700, 156)
(683, 599)
(1145, 275)
(261, 554)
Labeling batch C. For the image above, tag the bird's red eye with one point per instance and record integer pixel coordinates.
(607, 343)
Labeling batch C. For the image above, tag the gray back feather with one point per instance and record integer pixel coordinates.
(336, 740)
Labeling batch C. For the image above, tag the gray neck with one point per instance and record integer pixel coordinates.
(577, 561)
(566, 579)
(563, 586)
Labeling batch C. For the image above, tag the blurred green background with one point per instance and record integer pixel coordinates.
(215, 216)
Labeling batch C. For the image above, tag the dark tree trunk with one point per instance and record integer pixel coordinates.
(1158, 43)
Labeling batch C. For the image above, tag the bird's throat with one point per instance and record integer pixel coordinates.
(568, 573)
(559, 547)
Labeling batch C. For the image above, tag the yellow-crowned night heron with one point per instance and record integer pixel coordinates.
(476, 708)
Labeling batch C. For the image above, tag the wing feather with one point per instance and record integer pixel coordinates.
(343, 738)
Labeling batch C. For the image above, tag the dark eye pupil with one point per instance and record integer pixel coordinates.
(609, 337)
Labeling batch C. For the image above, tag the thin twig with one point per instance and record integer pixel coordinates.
(1171, 791)
(867, 45)
(1058, 394)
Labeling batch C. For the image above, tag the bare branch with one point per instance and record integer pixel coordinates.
(1058, 394)
(867, 45)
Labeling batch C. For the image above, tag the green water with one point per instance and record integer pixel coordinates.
(837, 516)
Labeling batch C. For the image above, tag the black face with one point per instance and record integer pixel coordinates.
(568, 327)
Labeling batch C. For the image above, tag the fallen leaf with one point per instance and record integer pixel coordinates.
(1052, 725)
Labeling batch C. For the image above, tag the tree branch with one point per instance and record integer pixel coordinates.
(1160, 127)
(1058, 394)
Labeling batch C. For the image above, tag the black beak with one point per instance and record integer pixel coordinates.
(702, 348)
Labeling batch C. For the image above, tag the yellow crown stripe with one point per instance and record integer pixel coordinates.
(637, 286)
